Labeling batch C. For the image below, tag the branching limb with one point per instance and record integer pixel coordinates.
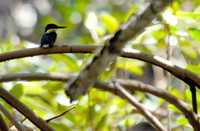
(129, 85)
(12, 119)
(10, 99)
(179, 72)
(139, 107)
(113, 48)
(132, 86)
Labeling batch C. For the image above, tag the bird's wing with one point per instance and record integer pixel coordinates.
(48, 38)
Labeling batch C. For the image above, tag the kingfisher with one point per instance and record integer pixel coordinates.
(49, 37)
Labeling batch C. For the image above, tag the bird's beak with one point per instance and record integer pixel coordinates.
(61, 27)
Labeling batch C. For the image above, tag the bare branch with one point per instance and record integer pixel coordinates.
(113, 48)
(130, 85)
(177, 71)
(3, 126)
(62, 114)
(10, 99)
(42, 51)
(12, 119)
(139, 107)
(35, 76)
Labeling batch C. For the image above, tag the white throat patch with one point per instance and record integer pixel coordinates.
(50, 30)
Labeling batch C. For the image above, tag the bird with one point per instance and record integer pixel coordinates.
(49, 37)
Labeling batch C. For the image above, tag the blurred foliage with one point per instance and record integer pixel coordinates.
(90, 22)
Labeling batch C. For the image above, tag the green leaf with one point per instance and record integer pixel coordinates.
(190, 15)
(68, 60)
(109, 22)
(173, 108)
(101, 123)
(17, 90)
(189, 52)
(131, 66)
(194, 33)
(131, 11)
(182, 121)
(58, 126)
(194, 68)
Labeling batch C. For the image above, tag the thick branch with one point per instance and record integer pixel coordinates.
(35, 76)
(42, 51)
(113, 47)
(10, 99)
(179, 72)
(130, 85)
(139, 86)
(139, 107)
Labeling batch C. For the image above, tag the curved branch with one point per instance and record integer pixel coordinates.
(35, 76)
(10, 99)
(43, 51)
(179, 72)
(130, 85)
(139, 107)
(112, 48)
(12, 119)
(3, 126)
(60, 115)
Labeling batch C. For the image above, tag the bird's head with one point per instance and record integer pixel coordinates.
(53, 27)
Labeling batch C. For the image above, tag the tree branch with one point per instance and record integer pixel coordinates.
(139, 107)
(132, 85)
(12, 119)
(129, 85)
(3, 126)
(35, 76)
(177, 71)
(55, 117)
(113, 47)
(10, 99)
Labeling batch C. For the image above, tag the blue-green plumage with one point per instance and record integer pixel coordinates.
(49, 37)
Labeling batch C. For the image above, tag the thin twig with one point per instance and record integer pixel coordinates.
(139, 107)
(14, 102)
(130, 85)
(12, 119)
(3, 126)
(55, 117)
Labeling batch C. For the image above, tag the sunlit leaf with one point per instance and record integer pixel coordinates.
(194, 33)
(182, 121)
(173, 108)
(58, 126)
(131, 66)
(189, 52)
(194, 68)
(191, 15)
(101, 122)
(68, 60)
(17, 90)
(109, 22)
